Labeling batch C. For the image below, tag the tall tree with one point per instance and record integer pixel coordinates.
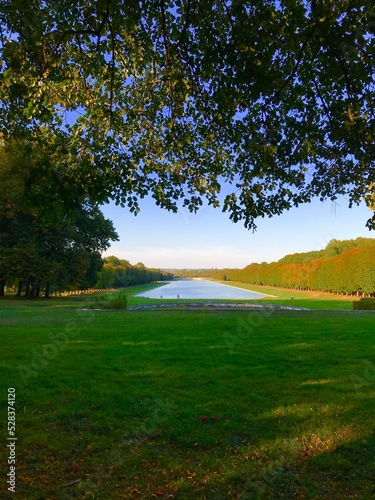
(274, 99)
(38, 250)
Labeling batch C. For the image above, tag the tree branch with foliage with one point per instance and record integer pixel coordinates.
(255, 106)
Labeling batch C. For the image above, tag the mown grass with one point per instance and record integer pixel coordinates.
(297, 298)
(80, 300)
(175, 404)
(307, 299)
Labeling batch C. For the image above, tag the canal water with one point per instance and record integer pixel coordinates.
(199, 289)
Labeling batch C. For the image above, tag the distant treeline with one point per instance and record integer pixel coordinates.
(344, 267)
(119, 273)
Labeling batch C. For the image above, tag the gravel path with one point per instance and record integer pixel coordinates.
(215, 306)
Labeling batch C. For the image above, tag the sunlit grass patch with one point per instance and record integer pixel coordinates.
(300, 298)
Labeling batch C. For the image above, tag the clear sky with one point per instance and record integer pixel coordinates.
(161, 239)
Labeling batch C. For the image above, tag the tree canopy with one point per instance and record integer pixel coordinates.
(119, 273)
(256, 106)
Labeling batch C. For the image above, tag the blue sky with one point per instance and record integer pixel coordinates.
(161, 239)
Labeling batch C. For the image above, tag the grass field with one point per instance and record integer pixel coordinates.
(310, 300)
(181, 404)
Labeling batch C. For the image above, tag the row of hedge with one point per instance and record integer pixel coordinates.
(364, 305)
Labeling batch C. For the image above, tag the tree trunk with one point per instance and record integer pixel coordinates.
(46, 292)
(28, 288)
(2, 287)
(19, 288)
(37, 291)
(32, 288)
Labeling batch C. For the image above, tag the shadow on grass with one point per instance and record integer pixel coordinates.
(344, 472)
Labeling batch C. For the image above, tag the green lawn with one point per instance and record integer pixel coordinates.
(309, 299)
(178, 404)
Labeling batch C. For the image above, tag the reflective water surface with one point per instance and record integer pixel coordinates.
(199, 289)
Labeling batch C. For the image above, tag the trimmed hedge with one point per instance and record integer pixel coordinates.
(118, 302)
(364, 305)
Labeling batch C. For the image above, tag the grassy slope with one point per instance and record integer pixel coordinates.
(195, 405)
(309, 299)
